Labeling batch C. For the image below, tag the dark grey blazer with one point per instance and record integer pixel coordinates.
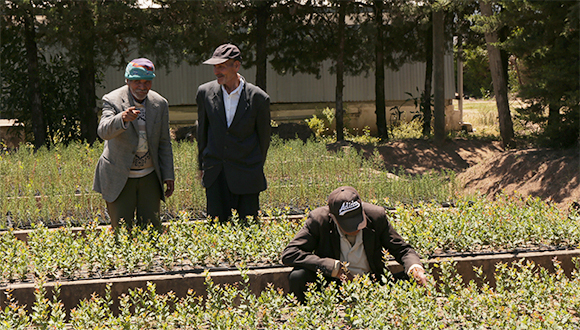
(115, 162)
(241, 149)
(317, 245)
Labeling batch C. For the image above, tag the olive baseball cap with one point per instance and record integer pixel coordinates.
(346, 207)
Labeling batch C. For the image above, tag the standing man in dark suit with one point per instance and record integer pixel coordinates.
(344, 239)
(233, 137)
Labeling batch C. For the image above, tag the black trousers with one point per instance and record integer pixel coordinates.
(221, 201)
(300, 277)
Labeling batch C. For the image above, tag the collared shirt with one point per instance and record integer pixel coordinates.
(231, 100)
(352, 251)
(352, 254)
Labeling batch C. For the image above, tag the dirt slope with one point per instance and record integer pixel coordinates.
(545, 173)
(485, 167)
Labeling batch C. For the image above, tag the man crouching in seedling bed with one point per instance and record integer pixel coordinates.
(345, 239)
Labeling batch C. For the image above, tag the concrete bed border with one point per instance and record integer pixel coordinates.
(72, 292)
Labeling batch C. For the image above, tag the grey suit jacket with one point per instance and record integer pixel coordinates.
(115, 162)
(239, 150)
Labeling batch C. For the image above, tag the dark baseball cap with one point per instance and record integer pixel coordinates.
(347, 209)
(224, 53)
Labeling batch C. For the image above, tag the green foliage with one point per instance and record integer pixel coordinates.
(63, 254)
(476, 76)
(55, 186)
(14, 260)
(320, 123)
(69, 60)
(317, 125)
(543, 36)
(14, 317)
(542, 42)
(525, 296)
(405, 131)
(12, 53)
(47, 314)
(298, 38)
(547, 46)
(58, 95)
(185, 30)
(301, 38)
(66, 254)
(507, 223)
(321, 126)
(363, 136)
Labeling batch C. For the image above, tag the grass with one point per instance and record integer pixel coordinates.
(482, 114)
(54, 187)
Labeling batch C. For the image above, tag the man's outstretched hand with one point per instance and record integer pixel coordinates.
(419, 275)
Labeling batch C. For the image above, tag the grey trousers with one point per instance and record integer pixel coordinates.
(139, 194)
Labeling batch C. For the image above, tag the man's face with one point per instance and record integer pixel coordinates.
(227, 72)
(345, 232)
(139, 88)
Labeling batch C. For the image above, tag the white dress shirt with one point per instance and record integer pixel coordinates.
(231, 101)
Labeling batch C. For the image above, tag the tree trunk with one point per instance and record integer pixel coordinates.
(553, 116)
(380, 107)
(34, 93)
(460, 77)
(499, 80)
(340, 71)
(87, 104)
(426, 96)
(262, 16)
(87, 101)
(439, 75)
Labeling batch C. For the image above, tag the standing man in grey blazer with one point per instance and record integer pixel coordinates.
(233, 137)
(137, 159)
